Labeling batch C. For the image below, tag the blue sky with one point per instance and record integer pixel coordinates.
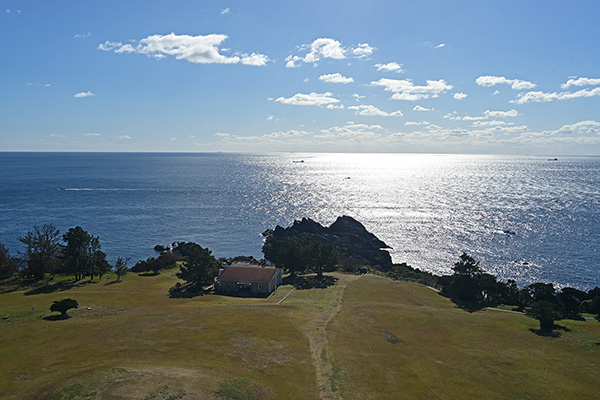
(509, 77)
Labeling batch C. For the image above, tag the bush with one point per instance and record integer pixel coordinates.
(64, 305)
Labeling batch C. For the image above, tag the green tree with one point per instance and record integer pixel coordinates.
(121, 268)
(286, 254)
(201, 267)
(545, 312)
(8, 264)
(64, 305)
(319, 256)
(83, 255)
(43, 251)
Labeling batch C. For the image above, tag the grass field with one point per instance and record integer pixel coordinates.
(407, 342)
(361, 338)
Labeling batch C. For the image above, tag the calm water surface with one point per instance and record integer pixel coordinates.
(429, 208)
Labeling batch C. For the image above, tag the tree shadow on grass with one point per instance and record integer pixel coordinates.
(466, 305)
(112, 282)
(310, 282)
(59, 317)
(57, 287)
(186, 291)
(554, 332)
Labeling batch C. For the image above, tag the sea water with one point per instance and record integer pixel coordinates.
(525, 218)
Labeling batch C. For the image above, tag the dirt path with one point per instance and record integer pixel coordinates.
(316, 331)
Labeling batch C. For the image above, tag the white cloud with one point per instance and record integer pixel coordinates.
(408, 96)
(410, 123)
(38, 84)
(419, 108)
(351, 130)
(270, 118)
(501, 114)
(326, 48)
(580, 82)
(201, 49)
(494, 122)
(391, 67)
(374, 111)
(405, 89)
(583, 127)
(84, 94)
(124, 137)
(311, 99)
(91, 134)
(486, 115)
(57, 135)
(459, 95)
(82, 35)
(173, 139)
(358, 96)
(439, 46)
(539, 97)
(335, 78)
(516, 84)
(363, 50)
(225, 11)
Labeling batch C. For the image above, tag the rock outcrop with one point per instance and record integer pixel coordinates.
(349, 237)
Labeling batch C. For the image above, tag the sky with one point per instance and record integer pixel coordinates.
(482, 77)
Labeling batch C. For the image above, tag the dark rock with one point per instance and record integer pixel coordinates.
(349, 237)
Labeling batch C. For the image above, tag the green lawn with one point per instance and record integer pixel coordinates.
(408, 342)
(388, 340)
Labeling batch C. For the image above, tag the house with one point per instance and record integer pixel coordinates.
(248, 279)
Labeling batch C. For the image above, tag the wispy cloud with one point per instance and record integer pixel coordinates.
(201, 49)
(405, 89)
(81, 95)
(225, 11)
(580, 82)
(335, 78)
(486, 115)
(91, 134)
(311, 99)
(516, 84)
(38, 84)
(82, 35)
(326, 48)
(124, 137)
(542, 97)
(389, 67)
(439, 46)
(374, 111)
(419, 108)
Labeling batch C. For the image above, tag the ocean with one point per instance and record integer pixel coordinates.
(532, 219)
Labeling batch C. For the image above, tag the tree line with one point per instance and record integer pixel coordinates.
(47, 252)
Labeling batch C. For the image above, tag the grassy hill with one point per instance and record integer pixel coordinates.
(360, 338)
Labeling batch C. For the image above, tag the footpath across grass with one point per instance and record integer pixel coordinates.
(403, 341)
(367, 338)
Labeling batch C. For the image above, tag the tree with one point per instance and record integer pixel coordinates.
(43, 251)
(201, 267)
(287, 254)
(319, 256)
(64, 305)
(8, 264)
(121, 268)
(467, 266)
(545, 312)
(466, 283)
(83, 255)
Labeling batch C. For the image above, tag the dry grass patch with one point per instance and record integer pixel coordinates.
(444, 352)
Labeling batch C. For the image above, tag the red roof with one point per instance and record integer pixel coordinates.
(248, 274)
